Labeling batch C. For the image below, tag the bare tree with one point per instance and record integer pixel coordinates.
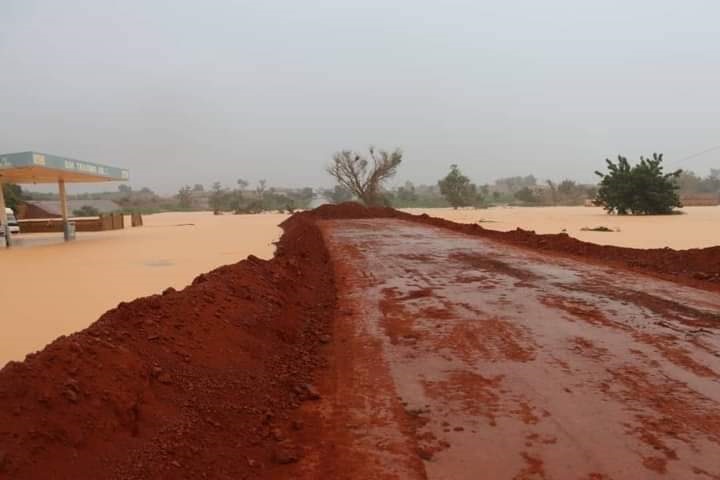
(362, 176)
(553, 192)
(261, 188)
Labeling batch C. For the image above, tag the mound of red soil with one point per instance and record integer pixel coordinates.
(698, 267)
(191, 384)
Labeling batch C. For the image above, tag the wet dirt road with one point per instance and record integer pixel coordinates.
(454, 357)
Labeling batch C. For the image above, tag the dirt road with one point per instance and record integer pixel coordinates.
(455, 357)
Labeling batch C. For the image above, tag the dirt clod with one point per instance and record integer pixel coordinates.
(286, 454)
(311, 392)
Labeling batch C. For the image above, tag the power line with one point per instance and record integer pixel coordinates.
(716, 147)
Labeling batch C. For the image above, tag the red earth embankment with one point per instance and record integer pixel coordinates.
(190, 384)
(699, 267)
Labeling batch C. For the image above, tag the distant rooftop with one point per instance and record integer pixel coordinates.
(34, 167)
(51, 208)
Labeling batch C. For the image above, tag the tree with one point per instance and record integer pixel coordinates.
(690, 183)
(184, 197)
(261, 188)
(567, 188)
(13, 195)
(484, 191)
(274, 200)
(217, 197)
(639, 189)
(124, 188)
(570, 193)
(235, 198)
(457, 189)
(302, 198)
(406, 194)
(198, 187)
(261, 192)
(513, 184)
(553, 192)
(362, 176)
(712, 182)
(339, 194)
(527, 195)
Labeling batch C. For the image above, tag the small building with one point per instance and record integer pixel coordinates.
(700, 199)
(53, 209)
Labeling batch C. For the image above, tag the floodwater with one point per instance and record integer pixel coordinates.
(456, 357)
(51, 288)
(698, 227)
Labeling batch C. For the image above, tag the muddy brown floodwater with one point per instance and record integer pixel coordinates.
(457, 357)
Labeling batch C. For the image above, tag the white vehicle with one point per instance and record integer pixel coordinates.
(12, 222)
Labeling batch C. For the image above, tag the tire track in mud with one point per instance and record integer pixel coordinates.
(462, 358)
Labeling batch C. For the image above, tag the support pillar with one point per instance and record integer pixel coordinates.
(3, 218)
(64, 211)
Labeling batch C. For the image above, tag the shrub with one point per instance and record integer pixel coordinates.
(641, 189)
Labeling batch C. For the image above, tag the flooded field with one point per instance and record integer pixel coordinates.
(51, 288)
(698, 227)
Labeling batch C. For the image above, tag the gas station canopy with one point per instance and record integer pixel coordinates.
(33, 167)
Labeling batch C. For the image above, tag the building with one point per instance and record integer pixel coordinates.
(53, 209)
(35, 167)
(700, 199)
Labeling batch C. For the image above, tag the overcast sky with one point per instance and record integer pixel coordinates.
(196, 91)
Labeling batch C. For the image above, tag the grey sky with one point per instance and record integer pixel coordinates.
(197, 91)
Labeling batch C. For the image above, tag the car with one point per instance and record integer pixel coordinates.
(12, 222)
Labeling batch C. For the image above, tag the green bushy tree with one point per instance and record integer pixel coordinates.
(457, 189)
(13, 194)
(640, 189)
(527, 195)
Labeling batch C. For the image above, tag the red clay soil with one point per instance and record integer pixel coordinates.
(205, 382)
(456, 357)
(698, 267)
(193, 384)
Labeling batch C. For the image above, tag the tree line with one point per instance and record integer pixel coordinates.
(242, 199)
(624, 188)
(641, 189)
(362, 178)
